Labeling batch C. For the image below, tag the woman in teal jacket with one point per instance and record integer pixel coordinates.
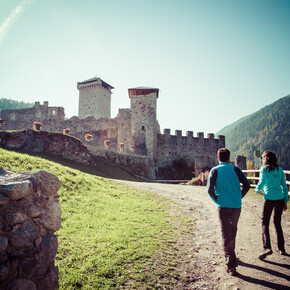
(275, 190)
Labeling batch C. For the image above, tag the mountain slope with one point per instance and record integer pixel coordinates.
(227, 129)
(267, 129)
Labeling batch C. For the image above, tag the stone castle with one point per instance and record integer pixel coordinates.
(135, 132)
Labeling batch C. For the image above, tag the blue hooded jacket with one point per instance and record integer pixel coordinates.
(273, 184)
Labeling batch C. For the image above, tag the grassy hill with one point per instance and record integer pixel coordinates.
(267, 129)
(112, 235)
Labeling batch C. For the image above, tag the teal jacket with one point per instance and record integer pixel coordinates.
(273, 184)
(223, 185)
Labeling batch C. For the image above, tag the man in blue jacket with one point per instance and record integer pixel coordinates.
(224, 188)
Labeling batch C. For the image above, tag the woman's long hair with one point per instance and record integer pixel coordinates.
(269, 159)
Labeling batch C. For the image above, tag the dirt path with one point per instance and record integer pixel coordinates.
(272, 273)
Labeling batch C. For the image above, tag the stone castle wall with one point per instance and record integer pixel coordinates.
(134, 132)
(118, 131)
(76, 124)
(241, 162)
(20, 119)
(52, 120)
(198, 152)
(30, 214)
(137, 165)
(124, 131)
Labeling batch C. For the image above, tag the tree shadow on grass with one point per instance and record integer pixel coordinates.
(271, 272)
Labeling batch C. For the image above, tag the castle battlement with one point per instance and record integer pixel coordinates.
(198, 152)
(39, 113)
(189, 135)
(37, 105)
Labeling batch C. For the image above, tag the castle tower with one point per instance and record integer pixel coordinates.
(94, 98)
(143, 120)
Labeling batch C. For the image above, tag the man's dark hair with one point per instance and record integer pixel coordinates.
(223, 154)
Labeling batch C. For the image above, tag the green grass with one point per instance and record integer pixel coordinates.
(110, 235)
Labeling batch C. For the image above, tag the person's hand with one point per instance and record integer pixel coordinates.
(285, 207)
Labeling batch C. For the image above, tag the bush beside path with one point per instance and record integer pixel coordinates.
(203, 261)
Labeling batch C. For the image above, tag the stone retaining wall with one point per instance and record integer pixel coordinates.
(29, 215)
(42, 141)
(138, 166)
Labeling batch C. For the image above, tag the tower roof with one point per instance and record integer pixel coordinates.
(141, 91)
(96, 79)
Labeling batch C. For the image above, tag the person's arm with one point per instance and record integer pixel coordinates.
(261, 182)
(285, 190)
(211, 184)
(243, 179)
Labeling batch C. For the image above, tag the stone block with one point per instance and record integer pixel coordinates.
(16, 189)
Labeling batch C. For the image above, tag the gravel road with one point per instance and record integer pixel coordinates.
(209, 268)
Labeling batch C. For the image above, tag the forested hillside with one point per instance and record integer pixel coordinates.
(267, 129)
(8, 104)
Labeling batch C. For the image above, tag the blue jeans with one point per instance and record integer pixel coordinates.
(269, 206)
(229, 218)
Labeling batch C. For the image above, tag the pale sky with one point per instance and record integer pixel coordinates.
(214, 61)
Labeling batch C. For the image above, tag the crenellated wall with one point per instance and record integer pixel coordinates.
(20, 119)
(101, 129)
(198, 152)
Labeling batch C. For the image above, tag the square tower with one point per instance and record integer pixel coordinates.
(143, 119)
(94, 98)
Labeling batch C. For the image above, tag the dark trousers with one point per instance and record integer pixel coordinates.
(229, 218)
(269, 206)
